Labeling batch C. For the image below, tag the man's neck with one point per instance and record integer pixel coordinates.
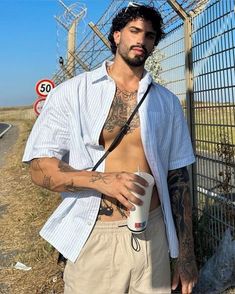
(124, 75)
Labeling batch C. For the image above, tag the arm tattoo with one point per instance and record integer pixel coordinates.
(47, 180)
(65, 167)
(35, 165)
(178, 184)
(73, 188)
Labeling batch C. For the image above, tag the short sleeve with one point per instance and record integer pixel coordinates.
(181, 151)
(50, 135)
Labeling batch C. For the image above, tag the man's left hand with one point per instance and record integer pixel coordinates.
(185, 271)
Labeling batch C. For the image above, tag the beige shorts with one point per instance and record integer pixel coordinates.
(108, 264)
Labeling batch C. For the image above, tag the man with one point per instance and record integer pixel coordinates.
(79, 121)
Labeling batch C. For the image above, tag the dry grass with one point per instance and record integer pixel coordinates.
(27, 208)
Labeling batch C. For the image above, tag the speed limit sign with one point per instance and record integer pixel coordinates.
(38, 105)
(43, 87)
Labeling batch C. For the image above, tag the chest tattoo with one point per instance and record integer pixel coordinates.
(123, 105)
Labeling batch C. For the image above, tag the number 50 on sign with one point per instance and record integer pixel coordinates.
(43, 87)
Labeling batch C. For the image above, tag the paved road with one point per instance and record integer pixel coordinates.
(4, 127)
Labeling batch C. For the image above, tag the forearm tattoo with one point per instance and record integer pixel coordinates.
(47, 181)
(66, 168)
(178, 184)
(71, 187)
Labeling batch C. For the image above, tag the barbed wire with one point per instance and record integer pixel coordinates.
(92, 51)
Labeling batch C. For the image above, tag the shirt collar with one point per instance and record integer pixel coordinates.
(101, 73)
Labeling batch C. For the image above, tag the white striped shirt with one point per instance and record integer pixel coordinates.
(70, 126)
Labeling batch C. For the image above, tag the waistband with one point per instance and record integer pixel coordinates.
(122, 224)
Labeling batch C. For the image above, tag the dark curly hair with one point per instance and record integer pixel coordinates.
(127, 14)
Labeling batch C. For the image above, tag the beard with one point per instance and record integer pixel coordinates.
(135, 61)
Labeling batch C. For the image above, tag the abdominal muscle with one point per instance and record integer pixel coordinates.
(129, 157)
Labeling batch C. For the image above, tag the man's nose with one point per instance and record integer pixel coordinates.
(141, 40)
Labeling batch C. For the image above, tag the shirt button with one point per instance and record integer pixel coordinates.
(89, 223)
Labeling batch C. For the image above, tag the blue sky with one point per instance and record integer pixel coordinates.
(29, 40)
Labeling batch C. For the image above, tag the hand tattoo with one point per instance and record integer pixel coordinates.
(100, 177)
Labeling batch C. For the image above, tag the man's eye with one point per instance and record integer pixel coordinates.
(151, 37)
(134, 31)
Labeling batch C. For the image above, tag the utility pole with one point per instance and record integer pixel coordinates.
(69, 21)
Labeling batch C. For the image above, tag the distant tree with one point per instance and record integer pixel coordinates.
(153, 65)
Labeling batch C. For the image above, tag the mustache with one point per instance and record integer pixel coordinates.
(139, 46)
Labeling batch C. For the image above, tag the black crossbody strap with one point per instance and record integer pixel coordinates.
(123, 131)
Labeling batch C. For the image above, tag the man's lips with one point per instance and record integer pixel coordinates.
(138, 50)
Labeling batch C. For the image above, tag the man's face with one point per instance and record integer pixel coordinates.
(135, 42)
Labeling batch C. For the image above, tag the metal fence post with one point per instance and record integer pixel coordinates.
(190, 102)
(189, 86)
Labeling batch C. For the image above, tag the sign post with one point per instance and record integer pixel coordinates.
(43, 88)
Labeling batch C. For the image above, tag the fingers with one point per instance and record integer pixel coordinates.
(175, 279)
(131, 186)
(187, 288)
(125, 202)
(137, 189)
(128, 199)
(139, 180)
(190, 287)
(126, 187)
(132, 198)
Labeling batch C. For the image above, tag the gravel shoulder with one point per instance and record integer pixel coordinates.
(7, 142)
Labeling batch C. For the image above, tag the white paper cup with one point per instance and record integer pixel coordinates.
(138, 219)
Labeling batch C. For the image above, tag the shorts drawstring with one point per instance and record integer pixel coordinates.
(135, 244)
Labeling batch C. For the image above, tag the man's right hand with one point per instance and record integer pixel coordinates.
(120, 186)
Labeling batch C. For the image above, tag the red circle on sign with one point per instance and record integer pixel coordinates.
(43, 87)
(38, 105)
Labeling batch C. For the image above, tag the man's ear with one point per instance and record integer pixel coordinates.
(116, 37)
